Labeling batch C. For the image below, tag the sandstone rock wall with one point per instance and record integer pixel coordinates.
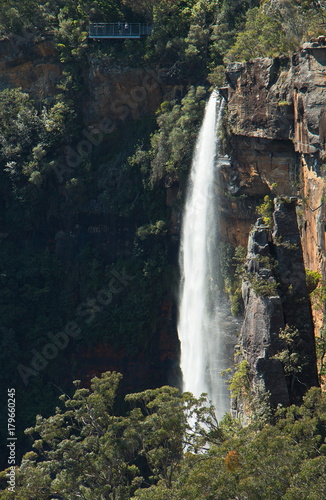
(277, 115)
(275, 297)
(110, 91)
(264, 318)
(32, 66)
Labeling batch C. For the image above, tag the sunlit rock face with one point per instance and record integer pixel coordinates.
(263, 320)
(277, 119)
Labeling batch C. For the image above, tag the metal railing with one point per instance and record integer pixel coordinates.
(119, 30)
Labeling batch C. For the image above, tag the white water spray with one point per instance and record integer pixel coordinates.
(203, 350)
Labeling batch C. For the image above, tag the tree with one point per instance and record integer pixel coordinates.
(148, 7)
(172, 144)
(169, 445)
(84, 451)
(275, 27)
(87, 451)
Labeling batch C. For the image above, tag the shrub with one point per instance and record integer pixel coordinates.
(265, 210)
(239, 384)
(312, 279)
(263, 287)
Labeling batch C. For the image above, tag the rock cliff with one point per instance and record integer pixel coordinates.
(276, 114)
(112, 94)
(276, 110)
(110, 91)
(277, 334)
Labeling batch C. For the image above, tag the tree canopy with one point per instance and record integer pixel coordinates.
(169, 445)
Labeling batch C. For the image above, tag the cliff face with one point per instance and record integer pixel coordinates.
(120, 93)
(276, 112)
(110, 91)
(150, 368)
(259, 337)
(111, 96)
(31, 66)
(278, 321)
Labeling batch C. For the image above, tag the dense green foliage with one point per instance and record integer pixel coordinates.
(170, 446)
(190, 37)
(53, 269)
(169, 154)
(265, 210)
(189, 40)
(277, 27)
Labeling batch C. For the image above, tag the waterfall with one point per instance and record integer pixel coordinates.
(203, 349)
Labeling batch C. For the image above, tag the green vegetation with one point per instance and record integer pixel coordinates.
(312, 279)
(169, 153)
(277, 27)
(317, 290)
(283, 103)
(318, 294)
(263, 287)
(240, 382)
(192, 38)
(170, 446)
(265, 210)
(53, 267)
(321, 353)
(293, 362)
(189, 41)
(232, 270)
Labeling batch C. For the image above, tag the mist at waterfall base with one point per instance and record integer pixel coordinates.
(206, 345)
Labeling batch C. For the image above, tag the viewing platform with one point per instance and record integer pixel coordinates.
(119, 30)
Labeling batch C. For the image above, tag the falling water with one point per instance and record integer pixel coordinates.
(203, 349)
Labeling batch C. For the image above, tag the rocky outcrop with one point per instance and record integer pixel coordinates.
(281, 98)
(277, 301)
(277, 110)
(259, 101)
(30, 65)
(263, 321)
